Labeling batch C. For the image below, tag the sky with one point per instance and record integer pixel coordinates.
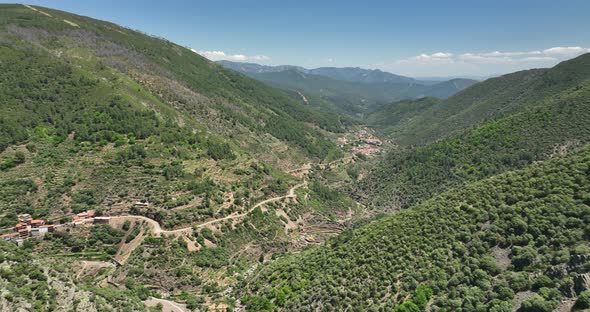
(416, 38)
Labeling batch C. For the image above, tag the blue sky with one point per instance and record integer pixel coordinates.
(416, 38)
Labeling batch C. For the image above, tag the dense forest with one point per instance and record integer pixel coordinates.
(470, 249)
(407, 176)
(176, 75)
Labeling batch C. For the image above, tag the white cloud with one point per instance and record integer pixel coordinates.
(481, 63)
(566, 50)
(220, 55)
(438, 57)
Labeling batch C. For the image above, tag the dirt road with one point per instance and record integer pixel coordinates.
(157, 229)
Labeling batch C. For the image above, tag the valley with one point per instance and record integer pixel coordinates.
(137, 175)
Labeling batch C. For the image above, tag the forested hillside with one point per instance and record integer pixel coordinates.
(493, 98)
(522, 234)
(153, 137)
(179, 80)
(407, 176)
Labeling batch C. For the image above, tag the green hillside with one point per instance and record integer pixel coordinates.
(94, 116)
(557, 124)
(179, 80)
(493, 98)
(33, 282)
(474, 248)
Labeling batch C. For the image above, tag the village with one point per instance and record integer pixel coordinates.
(27, 227)
(363, 142)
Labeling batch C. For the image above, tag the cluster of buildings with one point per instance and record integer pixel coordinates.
(364, 142)
(27, 227)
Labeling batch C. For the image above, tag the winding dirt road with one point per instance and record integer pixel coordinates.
(158, 231)
(167, 305)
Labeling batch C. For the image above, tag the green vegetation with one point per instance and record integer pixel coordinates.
(179, 77)
(493, 98)
(96, 116)
(555, 126)
(32, 282)
(452, 245)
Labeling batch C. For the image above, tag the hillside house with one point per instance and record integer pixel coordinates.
(10, 237)
(21, 226)
(42, 230)
(37, 224)
(23, 233)
(83, 217)
(25, 218)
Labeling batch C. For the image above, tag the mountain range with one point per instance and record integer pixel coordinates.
(352, 91)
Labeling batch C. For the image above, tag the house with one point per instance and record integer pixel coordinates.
(21, 226)
(9, 237)
(25, 218)
(23, 232)
(84, 216)
(40, 231)
(229, 195)
(37, 223)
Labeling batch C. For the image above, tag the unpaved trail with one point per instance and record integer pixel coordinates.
(158, 231)
(92, 267)
(167, 305)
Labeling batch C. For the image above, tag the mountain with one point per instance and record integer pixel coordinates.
(216, 99)
(351, 91)
(351, 74)
(543, 116)
(406, 176)
(490, 99)
(515, 241)
(356, 74)
(257, 68)
(178, 154)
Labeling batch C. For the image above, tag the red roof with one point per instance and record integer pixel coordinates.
(9, 234)
(91, 213)
(20, 224)
(38, 221)
(23, 230)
